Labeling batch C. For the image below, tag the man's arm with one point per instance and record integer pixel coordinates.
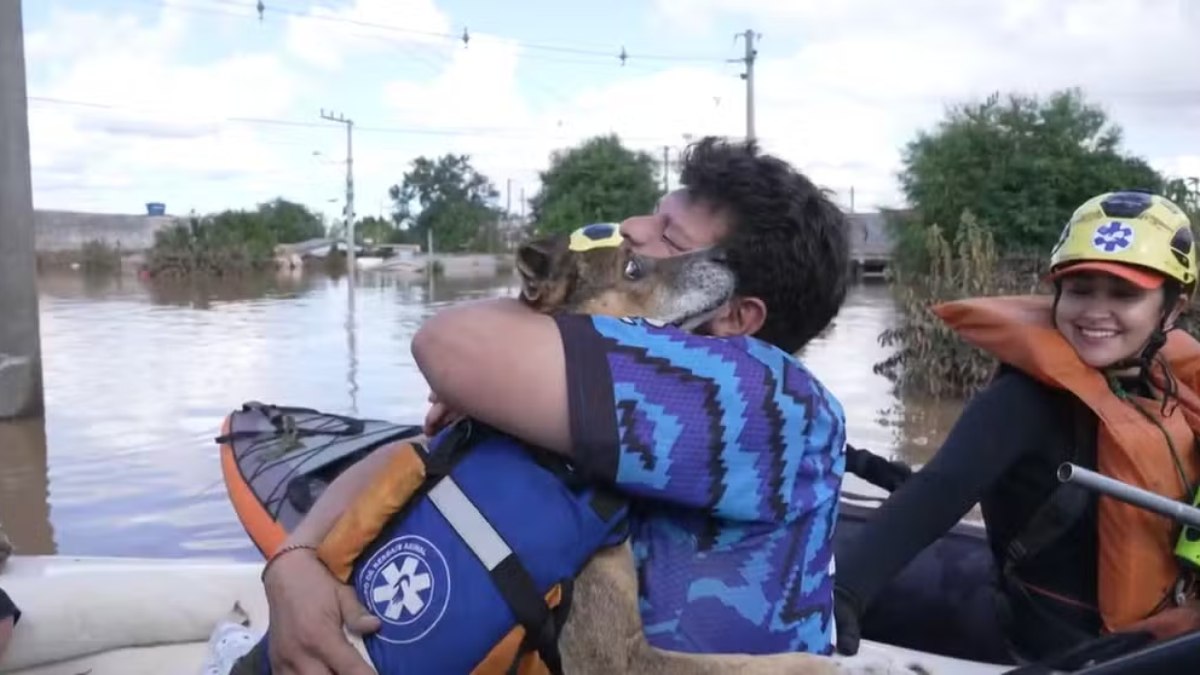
(501, 363)
(703, 422)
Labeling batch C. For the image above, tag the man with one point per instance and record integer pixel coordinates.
(733, 452)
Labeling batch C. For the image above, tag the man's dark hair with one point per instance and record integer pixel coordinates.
(788, 243)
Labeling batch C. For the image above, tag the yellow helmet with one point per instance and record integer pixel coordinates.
(1131, 234)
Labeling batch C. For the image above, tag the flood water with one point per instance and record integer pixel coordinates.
(139, 375)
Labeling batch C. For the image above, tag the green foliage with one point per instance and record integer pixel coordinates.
(224, 243)
(289, 222)
(381, 231)
(597, 181)
(98, 257)
(1022, 165)
(930, 359)
(448, 196)
(232, 240)
(1186, 193)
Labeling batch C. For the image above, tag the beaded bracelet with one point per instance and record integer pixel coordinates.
(277, 554)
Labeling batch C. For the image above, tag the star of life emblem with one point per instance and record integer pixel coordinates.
(406, 583)
(1112, 237)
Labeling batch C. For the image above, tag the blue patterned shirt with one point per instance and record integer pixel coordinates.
(734, 455)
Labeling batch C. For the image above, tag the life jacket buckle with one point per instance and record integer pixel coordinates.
(1186, 589)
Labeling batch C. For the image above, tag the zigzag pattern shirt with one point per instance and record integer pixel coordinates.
(734, 454)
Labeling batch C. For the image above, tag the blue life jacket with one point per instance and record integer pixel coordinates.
(474, 554)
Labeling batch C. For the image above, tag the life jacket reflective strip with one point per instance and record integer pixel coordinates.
(467, 553)
(1137, 569)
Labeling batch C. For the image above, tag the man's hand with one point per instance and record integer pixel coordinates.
(308, 607)
(439, 416)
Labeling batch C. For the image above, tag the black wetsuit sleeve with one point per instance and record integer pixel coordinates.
(8, 608)
(1001, 423)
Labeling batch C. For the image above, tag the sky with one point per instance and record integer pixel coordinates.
(201, 105)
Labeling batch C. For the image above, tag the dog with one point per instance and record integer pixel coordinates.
(588, 272)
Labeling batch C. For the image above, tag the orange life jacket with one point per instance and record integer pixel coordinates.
(1137, 568)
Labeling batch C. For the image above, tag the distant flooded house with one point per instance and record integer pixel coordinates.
(871, 243)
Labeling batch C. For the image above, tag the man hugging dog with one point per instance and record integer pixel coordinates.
(732, 452)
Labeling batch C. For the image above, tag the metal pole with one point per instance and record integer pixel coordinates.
(751, 54)
(350, 255)
(20, 334)
(1177, 511)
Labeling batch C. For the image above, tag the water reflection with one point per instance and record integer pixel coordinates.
(139, 376)
(24, 489)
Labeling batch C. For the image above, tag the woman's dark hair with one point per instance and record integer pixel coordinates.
(788, 243)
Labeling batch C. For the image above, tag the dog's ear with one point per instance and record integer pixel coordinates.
(535, 264)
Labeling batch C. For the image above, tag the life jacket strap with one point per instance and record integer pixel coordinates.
(512, 580)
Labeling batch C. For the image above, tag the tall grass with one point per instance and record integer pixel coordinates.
(930, 359)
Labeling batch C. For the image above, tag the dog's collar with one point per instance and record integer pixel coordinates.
(596, 235)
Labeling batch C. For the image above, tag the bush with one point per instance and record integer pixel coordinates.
(98, 257)
(230, 242)
(929, 358)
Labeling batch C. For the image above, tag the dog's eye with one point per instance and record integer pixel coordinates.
(633, 271)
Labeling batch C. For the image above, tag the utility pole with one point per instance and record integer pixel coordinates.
(350, 247)
(20, 333)
(666, 168)
(748, 76)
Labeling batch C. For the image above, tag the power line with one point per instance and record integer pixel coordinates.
(622, 56)
(515, 133)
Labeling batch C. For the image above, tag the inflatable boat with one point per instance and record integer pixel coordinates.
(124, 616)
(104, 616)
(277, 461)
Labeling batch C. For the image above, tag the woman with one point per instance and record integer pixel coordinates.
(1087, 375)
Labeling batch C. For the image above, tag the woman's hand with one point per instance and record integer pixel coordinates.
(308, 608)
(439, 416)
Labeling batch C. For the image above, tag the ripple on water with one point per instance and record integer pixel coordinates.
(139, 377)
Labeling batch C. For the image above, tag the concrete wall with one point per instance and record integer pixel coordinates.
(62, 231)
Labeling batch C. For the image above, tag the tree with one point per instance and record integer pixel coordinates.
(1186, 193)
(597, 181)
(381, 231)
(448, 195)
(1021, 165)
(290, 222)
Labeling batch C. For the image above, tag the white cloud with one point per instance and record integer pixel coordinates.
(867, 75)
(161, 125)
(840, 88)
